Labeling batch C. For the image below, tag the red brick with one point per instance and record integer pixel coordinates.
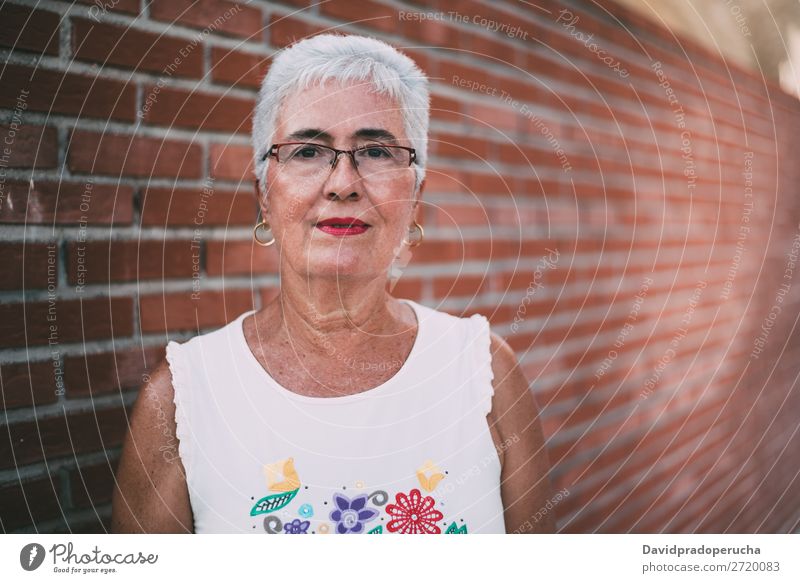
(67, 93)
(31, 146)
(92, 485)
(494, 184)
(133, 156)
(183, 206)
(433, 33)
(100, 7)
(405, 287)
(50, 202)
(437, 252)
(231, 162)
(110, 261)
(202, 111)
(240, 258)
(237, 67)
(515, 153)
(458, 216)
(241, 20)
(24, 265)
(62, 436)
(462, 285)
(109, 372)
(27, 29)
(441, 180)
(30, 502)
(495, 52)
(178, 311)
(456, 146)
(28, 383)
(494, 118)
(446, 109)
(285, 30)
(109, 44)
(76, 321)
(364, 13)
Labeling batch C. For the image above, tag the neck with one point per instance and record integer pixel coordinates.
(324, 315)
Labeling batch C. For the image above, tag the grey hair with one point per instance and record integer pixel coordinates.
(346, 58)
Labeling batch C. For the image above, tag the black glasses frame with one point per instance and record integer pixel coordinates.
(273, 151)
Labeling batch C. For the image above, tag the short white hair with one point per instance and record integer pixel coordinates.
(346, 58)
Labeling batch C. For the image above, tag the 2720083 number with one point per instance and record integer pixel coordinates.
(755, 566)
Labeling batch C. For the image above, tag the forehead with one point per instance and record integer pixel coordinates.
(340, 109)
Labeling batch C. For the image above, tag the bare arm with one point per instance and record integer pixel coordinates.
(150, 494)
(525, 487)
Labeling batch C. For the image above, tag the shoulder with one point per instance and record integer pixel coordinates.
(514, 408)
(509, 382)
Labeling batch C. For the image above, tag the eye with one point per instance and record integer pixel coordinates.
(376, 152)
(306, 152)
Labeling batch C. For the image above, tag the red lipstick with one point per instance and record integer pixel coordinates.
(342, 226)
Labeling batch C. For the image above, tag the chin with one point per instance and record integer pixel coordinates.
(338, 264)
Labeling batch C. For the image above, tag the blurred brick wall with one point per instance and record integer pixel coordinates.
(624, 207)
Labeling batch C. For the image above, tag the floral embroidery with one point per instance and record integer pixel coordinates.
(350, 515)
(296, 526)
(413, 514)
(429, 482)
(281, 478)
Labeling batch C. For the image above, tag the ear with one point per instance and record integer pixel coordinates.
(419, 192)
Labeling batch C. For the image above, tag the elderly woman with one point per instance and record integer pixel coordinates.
(337, 408)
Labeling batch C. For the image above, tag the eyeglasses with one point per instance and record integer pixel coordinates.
(373, 161)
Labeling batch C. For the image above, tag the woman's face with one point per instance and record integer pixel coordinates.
(343, 117)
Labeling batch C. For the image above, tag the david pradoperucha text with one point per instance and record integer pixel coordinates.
(701, 550)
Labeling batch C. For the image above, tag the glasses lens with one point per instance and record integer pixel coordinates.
(377, 159)
(305, 159)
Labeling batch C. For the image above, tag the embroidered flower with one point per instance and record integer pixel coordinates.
(296, 526)
(350, 515)
(413, 514)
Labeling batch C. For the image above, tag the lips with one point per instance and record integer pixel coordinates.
(341, 222)
(342, 226)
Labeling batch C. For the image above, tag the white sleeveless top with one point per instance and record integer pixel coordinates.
(413, 455)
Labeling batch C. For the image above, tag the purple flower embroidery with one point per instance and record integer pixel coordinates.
(350, 515)
(296, 526)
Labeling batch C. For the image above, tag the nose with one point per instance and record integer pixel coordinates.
(343, 181)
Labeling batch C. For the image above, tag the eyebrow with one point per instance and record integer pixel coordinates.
(310, 134)
(318, 134)
(375, 134)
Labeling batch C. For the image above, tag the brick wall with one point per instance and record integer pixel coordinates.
(624, 207)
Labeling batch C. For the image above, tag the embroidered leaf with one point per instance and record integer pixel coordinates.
(272, 503)
(454, 529)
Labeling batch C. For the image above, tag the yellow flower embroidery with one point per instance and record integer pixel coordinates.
(429, 482)
(281, 476)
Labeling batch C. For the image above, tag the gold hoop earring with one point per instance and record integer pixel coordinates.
(255, 234)
(421, 236)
